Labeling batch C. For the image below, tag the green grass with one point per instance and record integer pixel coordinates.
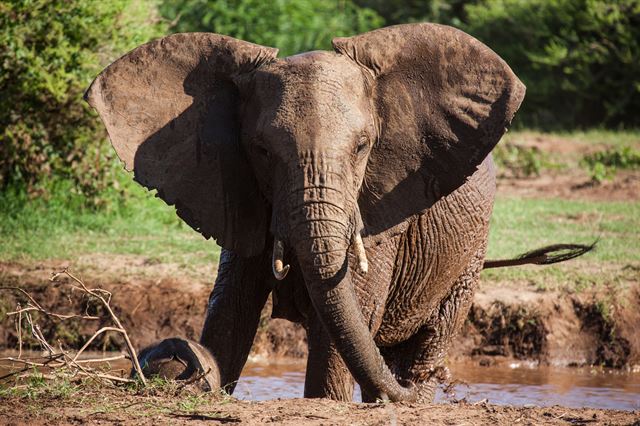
(36, 386)
(590, 137)
(519, 225)
(57, 226)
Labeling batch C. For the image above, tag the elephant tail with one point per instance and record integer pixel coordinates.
(543, 256)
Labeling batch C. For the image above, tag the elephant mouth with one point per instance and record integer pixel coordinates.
(280, 269)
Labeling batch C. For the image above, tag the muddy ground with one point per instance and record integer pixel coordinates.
(561, 175)
(114, 407)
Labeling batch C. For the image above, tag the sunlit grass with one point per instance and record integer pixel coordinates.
(590, 137)
(519, 225)
(56, 227)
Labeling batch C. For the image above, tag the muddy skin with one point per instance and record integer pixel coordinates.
(387, 138)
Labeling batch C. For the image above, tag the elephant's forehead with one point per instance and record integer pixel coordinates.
(315, 86)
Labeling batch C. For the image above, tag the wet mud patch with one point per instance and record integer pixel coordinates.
(511, 331)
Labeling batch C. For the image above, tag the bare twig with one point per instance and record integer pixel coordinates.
(29, 364)
(98, 360)
(52, 314)
(35, 306)
(92, 338)
(70, 364)
(105, 302)
(37, 334)
(19, 332)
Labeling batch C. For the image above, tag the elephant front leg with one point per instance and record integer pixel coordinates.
(240, 292)
(327, 375)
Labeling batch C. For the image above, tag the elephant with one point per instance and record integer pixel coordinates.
(354, 185)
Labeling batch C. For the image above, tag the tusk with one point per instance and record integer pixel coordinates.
(361, 255)
(280, 270)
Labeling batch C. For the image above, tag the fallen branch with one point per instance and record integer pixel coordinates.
(61, 359)
(106, 303)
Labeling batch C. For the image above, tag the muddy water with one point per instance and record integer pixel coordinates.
(506, 385)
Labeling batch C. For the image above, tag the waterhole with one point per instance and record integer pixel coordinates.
(509, 384)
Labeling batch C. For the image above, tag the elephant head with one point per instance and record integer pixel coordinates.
(321, 153)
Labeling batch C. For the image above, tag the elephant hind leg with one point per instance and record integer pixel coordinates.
(420, 359)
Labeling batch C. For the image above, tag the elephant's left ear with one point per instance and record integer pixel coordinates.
(443, 101)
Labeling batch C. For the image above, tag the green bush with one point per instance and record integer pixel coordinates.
(604, 164)
(292, 26)
(521, 161)
(50, 50)
(450, 12)
(580, 59)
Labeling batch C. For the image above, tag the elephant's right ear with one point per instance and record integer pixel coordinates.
(170, 108)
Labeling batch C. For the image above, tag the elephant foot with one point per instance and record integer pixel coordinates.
(181, 360)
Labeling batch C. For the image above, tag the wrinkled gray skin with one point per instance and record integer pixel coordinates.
(388, 137)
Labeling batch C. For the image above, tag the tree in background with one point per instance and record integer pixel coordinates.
(580, 59)
(50, 50)
(450, 12)
(292, 26)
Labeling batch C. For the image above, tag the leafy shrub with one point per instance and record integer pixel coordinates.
(451, 12)
(520, 161)
(580, 59)
(604, 164)
(50, 50)
(293, 26)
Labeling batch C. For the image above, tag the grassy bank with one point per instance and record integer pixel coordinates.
(57, 226)
(522, 224)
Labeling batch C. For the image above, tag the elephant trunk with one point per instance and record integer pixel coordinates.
(321, 239)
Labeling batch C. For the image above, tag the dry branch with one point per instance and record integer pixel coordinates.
(62, 359)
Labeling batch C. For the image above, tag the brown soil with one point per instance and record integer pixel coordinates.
(573, 184)
(118, 407)
(553, 328)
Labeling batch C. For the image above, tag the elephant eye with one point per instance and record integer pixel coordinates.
(363, 144)
(261, 151)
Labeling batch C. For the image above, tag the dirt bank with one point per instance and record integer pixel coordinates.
(560, 173)
(120, 407)
(512, 321)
